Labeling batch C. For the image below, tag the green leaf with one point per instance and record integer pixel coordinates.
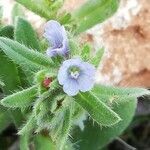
(24, 56)
(95, 137)
(24, 142)
(66, 126)
(44, 118)
(42, 142)
(7, 31)
(101, 113)
(8, 74)
(28, 127)
(85, 53)
(119, 91)
(94, 12)
(66, 19)
(28, 36)
(73, 46)
(97, 57)
(36, 7)
(5, 119)
(20, 99)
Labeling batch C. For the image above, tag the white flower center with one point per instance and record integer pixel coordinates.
(74, 74)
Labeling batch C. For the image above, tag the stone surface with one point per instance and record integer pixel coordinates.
(128, 62)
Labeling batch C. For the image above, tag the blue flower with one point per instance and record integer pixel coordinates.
(57, 38)
(76, 75)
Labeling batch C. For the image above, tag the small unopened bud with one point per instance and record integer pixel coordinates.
(46, 82)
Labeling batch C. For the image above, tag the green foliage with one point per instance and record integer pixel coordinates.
(101, 113)
(66, 126)
(10, 77)
(24, 56)
(37, 7)
(97, 57)
(28, 36)
(20, 99)
(123, 102)
(7, 31)
(24, 142)
(8, 74)
(43, 142)
(118, 91)
(66, 18)
(74, 47)
(28, 127)
(96, 137)
(5, 120)
(94, 12)
(85, 52)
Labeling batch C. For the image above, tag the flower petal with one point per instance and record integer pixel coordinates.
(64, 34)
(51, 52)
(62, 75)
(54, 33)
(89, 69)
(85, 83)
(71, 87)
(64, 50)
(72, 62)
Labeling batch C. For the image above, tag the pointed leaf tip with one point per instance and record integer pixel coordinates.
(100, 112)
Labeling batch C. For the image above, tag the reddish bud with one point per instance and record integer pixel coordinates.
(46, 82)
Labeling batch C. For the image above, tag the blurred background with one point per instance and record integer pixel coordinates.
(126, 62)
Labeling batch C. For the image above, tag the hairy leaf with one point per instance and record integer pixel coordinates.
(36, 7)
(85, 53)
(119, 91)
(94, 12)
(101, 113)
(97, 57)
(20, 99)
(8, 74)
(5, 119)
(25, 34)
(95, 137)
(7, 31)
(43, 143)
(66, 126)
(24, 56)
(28, 127)
(24, 142)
